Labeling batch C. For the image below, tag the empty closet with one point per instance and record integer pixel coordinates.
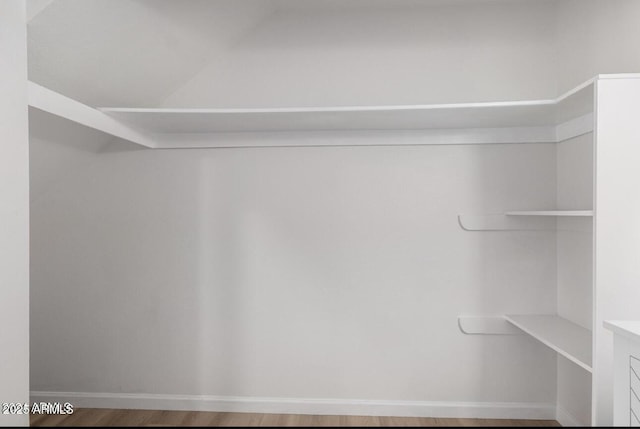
(412, 208)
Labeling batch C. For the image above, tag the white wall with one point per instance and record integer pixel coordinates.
(461, 51)
(575, 266)
(596, 36)
(334, 272)
(131, 52)
(14, 211)
(575, 235)
(384, 53)
(289, 52)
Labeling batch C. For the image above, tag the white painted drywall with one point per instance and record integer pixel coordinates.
(291, 53)
(34, 7)
(617, 229)
(14, 211)
(574, 394)
(131, 52)
(575, 266)
(394, 52)
(575, 235)
(596, 36)
(334, 272)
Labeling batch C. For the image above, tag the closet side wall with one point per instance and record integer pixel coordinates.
(575, 269)
(594, 37)
(14, 211)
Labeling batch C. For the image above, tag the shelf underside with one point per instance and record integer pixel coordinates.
(568, 339)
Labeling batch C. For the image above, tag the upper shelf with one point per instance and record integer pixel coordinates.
(529, 121)
(503, 114)
(477, 115)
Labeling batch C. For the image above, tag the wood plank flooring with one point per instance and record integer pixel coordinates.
(150, 418)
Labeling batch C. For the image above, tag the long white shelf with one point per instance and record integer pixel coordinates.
(522, 121)
(500, 114)
(381, 118)
(567, 338)
(551, 213)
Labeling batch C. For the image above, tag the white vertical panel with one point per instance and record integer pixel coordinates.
(617, 225)
(14, 210)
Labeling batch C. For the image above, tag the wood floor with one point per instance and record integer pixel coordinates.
(147, 418)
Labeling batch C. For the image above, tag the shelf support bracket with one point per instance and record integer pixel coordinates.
(502, 222)
(486, 325)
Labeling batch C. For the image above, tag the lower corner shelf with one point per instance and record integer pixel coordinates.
(567, 338)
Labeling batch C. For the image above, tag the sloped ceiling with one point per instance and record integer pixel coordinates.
(131, 52)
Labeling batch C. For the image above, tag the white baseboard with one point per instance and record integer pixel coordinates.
(487, 410)
(565, 418)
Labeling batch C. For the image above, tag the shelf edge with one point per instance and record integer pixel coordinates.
(558, 213)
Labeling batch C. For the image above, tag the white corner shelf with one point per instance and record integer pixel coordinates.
(568, 213)
(567, 338)
(521, 121)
